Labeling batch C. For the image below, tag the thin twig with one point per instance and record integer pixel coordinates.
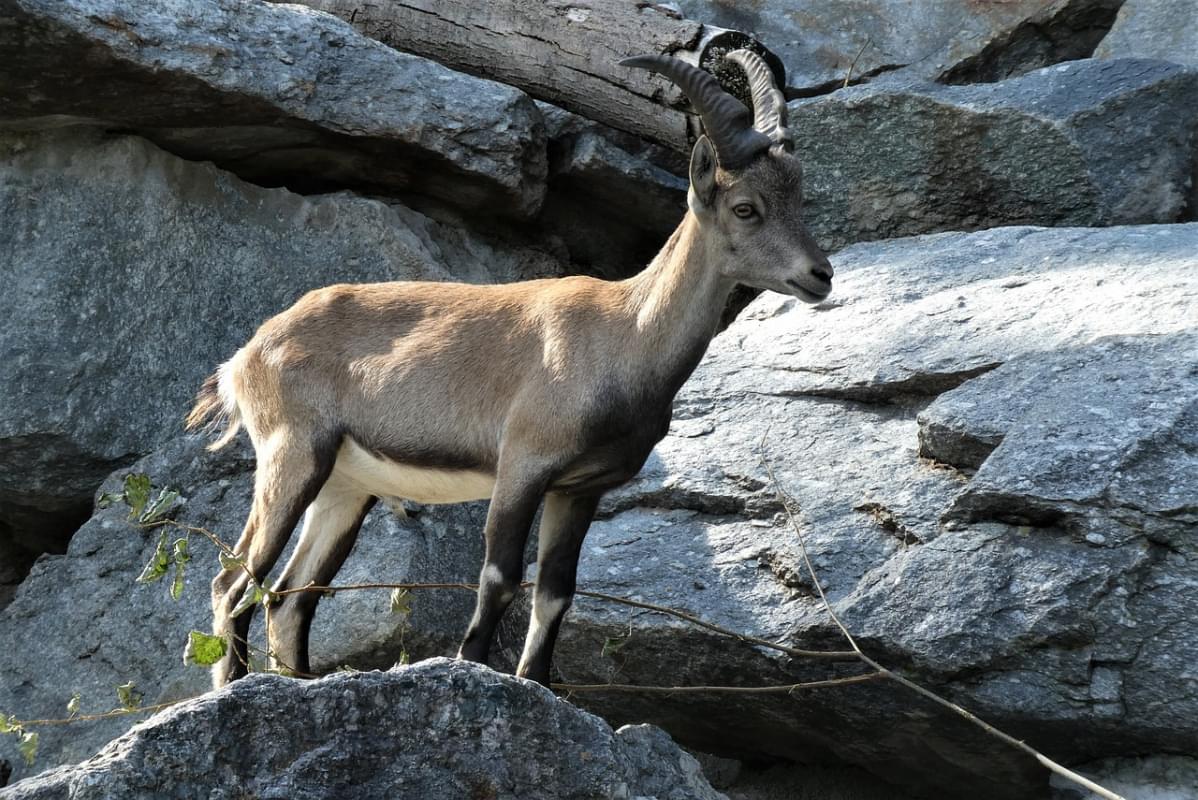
(788, 502)
(116, 712)
(786, 688)
(754, 640)
(793, 651)
(350, 587)
(849, 75)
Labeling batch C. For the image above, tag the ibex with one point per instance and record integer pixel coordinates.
(555, 389)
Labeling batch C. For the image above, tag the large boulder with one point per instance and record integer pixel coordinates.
(1121, 414)
(81, 624)
(822, 44)
(613, 199)
(1048, 148)
(1068, 629)
(275, 93)
(1166, 29)
(443, 728)
(129, 274)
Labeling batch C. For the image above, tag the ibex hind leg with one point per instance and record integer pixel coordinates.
(290, 472)
(330, 529)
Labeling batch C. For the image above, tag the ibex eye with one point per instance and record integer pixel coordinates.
(744, 211)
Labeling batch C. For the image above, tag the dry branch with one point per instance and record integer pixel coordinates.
(564, 53)
(789, 503)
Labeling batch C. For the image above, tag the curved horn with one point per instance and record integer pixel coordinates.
(769, 105)
(726, 119)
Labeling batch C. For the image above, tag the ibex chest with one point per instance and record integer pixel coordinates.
(616, 445)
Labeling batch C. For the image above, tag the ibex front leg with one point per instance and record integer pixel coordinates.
(513, 506)
(564, 524)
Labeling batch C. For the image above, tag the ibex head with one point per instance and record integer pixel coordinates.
(746, 186)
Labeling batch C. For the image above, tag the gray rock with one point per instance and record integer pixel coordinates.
(129, 274)
(81, 624)
(1155, 777)
(807, 782)
(438, 729)
(15, 562)
(275, 93)
(916, 317)
(1077, 647)
(821, 43)
(1049, 148)
(1080, 435)
(612, 198)
(1166, 29)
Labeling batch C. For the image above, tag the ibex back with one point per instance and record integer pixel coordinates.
(552, 389)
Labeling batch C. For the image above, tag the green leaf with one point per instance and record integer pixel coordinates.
(181, 554)
(108, 498)
(158, 509)
(401, 602)
(203, 649)
(253, 594)
(230, 562)
(128, 695)
(137, 493)
(73, 705)
(613, 645)
(28, 747)
(404, 658)
(9, 724)
(158, 564)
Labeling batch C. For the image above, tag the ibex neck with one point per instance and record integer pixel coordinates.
(676, 303)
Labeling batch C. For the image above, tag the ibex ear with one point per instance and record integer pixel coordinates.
(703, 164)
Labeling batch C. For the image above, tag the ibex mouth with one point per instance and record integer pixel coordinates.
(805, 294)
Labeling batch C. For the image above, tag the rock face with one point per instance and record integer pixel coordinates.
(438, 729)
(1070, 632)
(953, 40)
(1048, 148)
(1166, 29)
(612, 198)
(276, 93)
(1152, 778)
(129, 274)
(81, 624)
(1139, 470)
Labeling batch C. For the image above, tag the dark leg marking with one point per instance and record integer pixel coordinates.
(564, 525)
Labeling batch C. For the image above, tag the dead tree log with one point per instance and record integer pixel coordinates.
(565, 53)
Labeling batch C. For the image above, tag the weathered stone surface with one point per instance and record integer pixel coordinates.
(1158, 777)
(80, 623)
(1077, 647)
(918, 316)
(438, 729)
(15, 562)
(1071, 437)
(1085, 143)
(933, 39)
(1166, 29)
(275, 93)
(809, 782)
(129, 274)
(612, 198)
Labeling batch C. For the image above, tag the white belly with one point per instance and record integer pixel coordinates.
(384, 478)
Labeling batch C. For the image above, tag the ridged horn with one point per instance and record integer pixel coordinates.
(728, 123)
(769, 104)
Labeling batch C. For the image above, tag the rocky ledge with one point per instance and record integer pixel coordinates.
(441, 728)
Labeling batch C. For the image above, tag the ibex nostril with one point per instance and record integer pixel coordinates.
(822, 274)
